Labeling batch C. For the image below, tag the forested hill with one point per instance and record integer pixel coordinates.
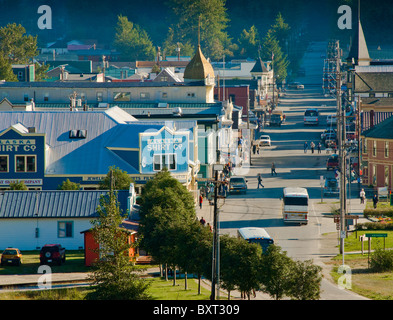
(81, 19)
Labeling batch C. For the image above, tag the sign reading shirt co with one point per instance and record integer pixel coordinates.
(21, 156)
(164, 149)
(17, 145)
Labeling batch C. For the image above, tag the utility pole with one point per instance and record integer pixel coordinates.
(215, 240)
(341, 148)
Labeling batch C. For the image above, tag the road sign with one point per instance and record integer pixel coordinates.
(348, 216)
(376, 235)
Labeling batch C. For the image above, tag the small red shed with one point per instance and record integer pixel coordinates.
(91, 246)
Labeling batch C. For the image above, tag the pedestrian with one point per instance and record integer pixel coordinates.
(254, 147)
(260, 181)
(202, 221)
(200, 201)
(305, 147)
(319, 147)
(362, 196)
(257, 148)
(312, 145)
(375, 200)
(274, 169)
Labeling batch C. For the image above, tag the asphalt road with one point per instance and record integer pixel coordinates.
(262, 207)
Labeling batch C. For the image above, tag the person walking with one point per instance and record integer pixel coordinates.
(260, 181)
(274, 169)
(312, 145)
(305, 147)
(200, 201)
(319, 147)
(362, 196)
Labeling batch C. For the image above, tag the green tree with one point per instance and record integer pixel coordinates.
(114, 277)
(132, 41)
(120, 179)
(166, 207)
(213, 19)
(6, 72)
(18, 185)
(281, 30)
(15, 45)
(271, 50)
(68, 185)
(249, 43)
(305, 281)
(275, 271)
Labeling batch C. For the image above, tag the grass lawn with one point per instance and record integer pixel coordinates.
(352, 243)
(31, 262)
(159, 290)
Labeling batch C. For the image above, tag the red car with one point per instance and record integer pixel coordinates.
(332, 162)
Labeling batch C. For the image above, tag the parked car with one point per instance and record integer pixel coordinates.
(237, 184)
(296, 85)
(332, 162)
(327, 132)
(12, 256)
(264, 140)
(52, 253)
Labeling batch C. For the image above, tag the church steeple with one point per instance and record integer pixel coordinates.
(358, 50)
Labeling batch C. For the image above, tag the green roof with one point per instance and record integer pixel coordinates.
(383, 130)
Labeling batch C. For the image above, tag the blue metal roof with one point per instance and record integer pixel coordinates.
(91, 155)
(55, 204)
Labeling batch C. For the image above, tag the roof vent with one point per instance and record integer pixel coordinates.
(77, 134)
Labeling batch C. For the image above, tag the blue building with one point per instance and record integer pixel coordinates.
(44, 148)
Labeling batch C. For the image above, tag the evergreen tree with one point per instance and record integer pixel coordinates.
(249, 43)
(115, 277)
(132, 41)
(271, 50)
(207, 16)
(6, 72)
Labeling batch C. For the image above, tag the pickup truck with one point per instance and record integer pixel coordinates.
(52, 253)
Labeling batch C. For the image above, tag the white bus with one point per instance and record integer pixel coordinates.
(256, 235)
(295, 205)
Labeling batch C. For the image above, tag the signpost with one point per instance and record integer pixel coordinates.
(368, 236)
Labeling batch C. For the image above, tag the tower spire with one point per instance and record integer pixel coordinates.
(199, 31)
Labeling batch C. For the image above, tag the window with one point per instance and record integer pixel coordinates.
(100, 96)
(386, 176)
(145, 95)
(191, 94)
(364, 146)
(121, 96)
(25, 97)
(386, 149)
(374, 176)
(25, 164)
(3, 163)
(46, 97)
(164, 95)
(374, 148)
(161, 161)
(65, 229)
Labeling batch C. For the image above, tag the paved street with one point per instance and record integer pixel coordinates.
(262, 207)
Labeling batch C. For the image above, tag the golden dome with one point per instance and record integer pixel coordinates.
(198, 68)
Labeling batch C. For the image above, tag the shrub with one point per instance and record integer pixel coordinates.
(374, 226)
(382, 260)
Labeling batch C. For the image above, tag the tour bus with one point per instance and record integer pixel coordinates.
(311, 116)
(256, 235)
(295, 205)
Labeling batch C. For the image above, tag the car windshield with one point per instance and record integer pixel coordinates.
(295, 201)
(311, 113)
(237, 180)
(265, 137)
(50, 249)
(9, 252)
